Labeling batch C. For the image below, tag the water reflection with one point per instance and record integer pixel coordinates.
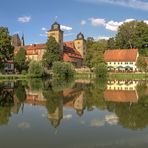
(127, 100)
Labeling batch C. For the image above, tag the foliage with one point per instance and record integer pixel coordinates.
(133, 35)
(101, 70)
(20, 59)
(6, 50)
(20, 91)
(63, 70)
(36, 69)
(52, 54)
(141, 63)
(95, 50)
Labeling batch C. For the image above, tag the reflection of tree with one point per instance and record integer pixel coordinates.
(5, 113)
(6, 102)
(130, 116)
(36, 84)
(53, 99)
(20, 91)
(94, 94)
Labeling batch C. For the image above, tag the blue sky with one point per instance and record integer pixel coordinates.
(95, 18)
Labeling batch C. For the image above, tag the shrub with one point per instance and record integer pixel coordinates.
(63, 70)
(101, 70)
(36, 69)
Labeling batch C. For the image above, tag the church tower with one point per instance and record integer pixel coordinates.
(80, 44)
(57, 33)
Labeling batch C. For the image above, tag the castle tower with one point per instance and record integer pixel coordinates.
(80, 44)
(57, 33)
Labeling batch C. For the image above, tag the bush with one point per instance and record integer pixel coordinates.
(24, 72)
(36, 69)
(101, 70)
(63, 70)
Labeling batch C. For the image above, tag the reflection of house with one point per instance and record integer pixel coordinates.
(35, 97)
(121, 60)
(73, 98)
(121, 91)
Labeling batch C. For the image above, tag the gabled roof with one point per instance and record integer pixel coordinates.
(121, 55)
(70, 50)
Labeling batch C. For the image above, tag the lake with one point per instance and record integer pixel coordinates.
(74, 114)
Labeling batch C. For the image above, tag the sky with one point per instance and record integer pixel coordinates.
(94, 18)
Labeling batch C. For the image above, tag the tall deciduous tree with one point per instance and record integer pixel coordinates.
(20, 59)
(52, 54)
(95, 52)
(6, 50)
(133, 35)
(141, 63)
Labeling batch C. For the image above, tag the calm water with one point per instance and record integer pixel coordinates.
(80, 114)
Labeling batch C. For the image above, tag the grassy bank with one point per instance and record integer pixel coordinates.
(16, 77)
(85, 75)
(139, 76)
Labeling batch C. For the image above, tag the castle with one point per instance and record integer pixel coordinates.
(72, 51)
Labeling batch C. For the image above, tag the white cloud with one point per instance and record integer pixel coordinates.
(146, 21)
(111, 119)
(44, 29)
(66, 28)
(102, 37)
(136, 4)
(69, 34)
(114, 25)
(24, 19)
(83, 22)
(67, 117)
(97, 21)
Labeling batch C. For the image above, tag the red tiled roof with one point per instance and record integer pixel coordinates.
(70, 51)
(121, 55)
(121, 96)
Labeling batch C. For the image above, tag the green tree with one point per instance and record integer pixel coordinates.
(101, 70)
(95, 52)
(20, 59)
(52, 54)
(63, 70)
(111, 43)
(132, 34)
(36, 69)
(141, 63)
(6, 50)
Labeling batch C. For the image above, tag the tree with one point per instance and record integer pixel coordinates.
(20, 59)
(141, 63)
(111, 43)
(95, 52)
(6, 50)
(52, 54)
(101, 70)
(36, 69)
(132, 34)
(63, 70)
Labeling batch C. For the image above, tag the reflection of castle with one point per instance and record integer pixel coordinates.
(121, 91)
(72, 98)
